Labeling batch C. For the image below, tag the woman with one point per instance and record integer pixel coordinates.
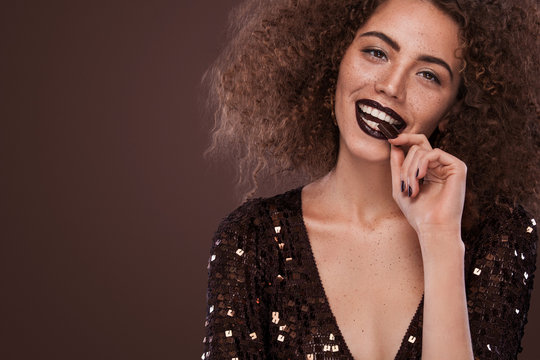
(409, 246)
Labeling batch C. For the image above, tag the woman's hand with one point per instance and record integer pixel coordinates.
(435, 205)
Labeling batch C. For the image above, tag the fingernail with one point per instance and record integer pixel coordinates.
(402, 186)
(417, 172)
(410, 191)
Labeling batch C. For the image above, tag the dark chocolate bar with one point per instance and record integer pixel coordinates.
(388, 130)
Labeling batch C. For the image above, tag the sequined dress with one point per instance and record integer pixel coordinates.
(266, 300)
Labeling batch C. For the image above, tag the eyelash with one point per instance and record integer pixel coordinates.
(429, 76)
(372, 52)
(380, 55)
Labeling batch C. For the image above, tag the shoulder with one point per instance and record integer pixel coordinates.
(506, 218)
(258, 214)
(505, 225)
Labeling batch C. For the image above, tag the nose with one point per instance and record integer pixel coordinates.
(392, 83)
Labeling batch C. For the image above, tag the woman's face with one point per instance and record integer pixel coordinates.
(400, 68)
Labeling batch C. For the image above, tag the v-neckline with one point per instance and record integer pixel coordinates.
(318, 280)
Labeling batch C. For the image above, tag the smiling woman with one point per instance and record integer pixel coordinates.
(410, 241)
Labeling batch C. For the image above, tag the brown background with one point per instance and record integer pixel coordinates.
(107, 207)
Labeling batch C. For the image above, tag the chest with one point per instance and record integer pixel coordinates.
(374, 284)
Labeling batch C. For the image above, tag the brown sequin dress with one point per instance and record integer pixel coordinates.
(266, 300)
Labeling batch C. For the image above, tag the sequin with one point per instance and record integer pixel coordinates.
(529, 229)
(239, 252)
(489, 347)
(477, 271)
(250, 285)
(211, 308)
(275, 317)
(213, 258)
(526, 275)
(533, 222)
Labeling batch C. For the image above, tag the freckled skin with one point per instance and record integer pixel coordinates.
(395, 83)
(371, 267)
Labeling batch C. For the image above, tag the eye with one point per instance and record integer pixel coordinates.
(428, 75)
(376, 53)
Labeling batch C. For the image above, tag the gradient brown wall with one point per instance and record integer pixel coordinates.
(107, 207)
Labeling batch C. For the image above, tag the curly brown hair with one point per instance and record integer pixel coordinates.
(271, 91)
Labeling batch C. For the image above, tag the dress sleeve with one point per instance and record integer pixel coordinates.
(499, 283)
(233, 327)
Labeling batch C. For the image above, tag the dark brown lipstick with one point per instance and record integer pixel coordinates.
(362, 117)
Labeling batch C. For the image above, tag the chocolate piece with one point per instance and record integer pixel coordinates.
(388, 130)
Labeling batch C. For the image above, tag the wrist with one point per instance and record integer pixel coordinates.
(441, 244)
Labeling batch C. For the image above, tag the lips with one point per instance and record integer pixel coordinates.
(370, 113)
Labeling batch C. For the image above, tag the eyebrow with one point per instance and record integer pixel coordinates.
(394, 45)
(436, 60)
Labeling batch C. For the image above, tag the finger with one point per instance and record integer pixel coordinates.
(413, 170)
(396, 161)
(406, 168)
(406, 139)
(439, 158)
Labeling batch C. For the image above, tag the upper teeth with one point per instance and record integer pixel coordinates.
(378, 114)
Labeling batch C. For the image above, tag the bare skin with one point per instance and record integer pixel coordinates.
(378, 249)
(371, 270)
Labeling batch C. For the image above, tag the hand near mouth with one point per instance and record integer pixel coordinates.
(437, 204)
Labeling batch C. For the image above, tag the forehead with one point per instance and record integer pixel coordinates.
(417, 26)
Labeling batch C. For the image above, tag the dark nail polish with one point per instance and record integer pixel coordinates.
(402, 186)
(417, 172)
(410, 191)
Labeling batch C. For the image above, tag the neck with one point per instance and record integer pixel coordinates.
(360, 190)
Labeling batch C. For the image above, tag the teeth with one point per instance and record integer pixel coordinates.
(371, 124)
(378, 114)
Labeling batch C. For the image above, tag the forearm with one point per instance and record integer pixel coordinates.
(446, 333)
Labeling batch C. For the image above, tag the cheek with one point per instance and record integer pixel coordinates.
(352, 79)
(429, 110)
